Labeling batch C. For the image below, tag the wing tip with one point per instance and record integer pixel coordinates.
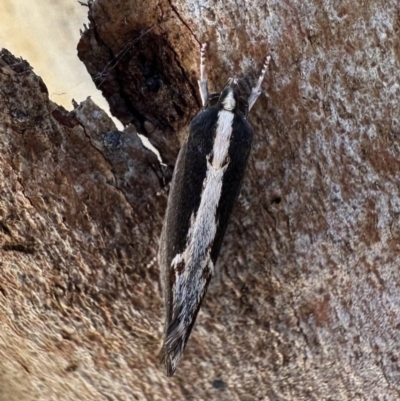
(173, 347)
(167, 361)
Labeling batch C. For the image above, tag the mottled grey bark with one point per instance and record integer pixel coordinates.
(306, 305)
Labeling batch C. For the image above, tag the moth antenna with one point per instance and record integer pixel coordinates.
(256, 91)
(203, 84)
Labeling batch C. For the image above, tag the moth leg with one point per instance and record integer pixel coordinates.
(203, 84)
(256, 91)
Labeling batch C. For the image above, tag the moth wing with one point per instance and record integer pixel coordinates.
(239, 150)
(180, 328)
(184, 199)
(169, 226)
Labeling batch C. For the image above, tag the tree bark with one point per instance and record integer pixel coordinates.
(306, 301)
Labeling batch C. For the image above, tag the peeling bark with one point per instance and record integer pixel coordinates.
(306, 304)
(80, 211)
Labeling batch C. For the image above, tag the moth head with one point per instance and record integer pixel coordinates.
(230, 99)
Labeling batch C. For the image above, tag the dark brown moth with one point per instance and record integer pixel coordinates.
(205, 184)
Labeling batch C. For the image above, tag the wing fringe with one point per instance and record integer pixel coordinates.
(177, 336)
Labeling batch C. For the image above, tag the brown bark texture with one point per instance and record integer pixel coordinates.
(306, 301)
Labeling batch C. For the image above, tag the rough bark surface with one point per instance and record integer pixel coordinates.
(306, 305)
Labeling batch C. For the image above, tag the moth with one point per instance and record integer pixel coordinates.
(205, 184)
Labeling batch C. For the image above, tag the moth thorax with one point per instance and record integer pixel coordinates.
(229, 101)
